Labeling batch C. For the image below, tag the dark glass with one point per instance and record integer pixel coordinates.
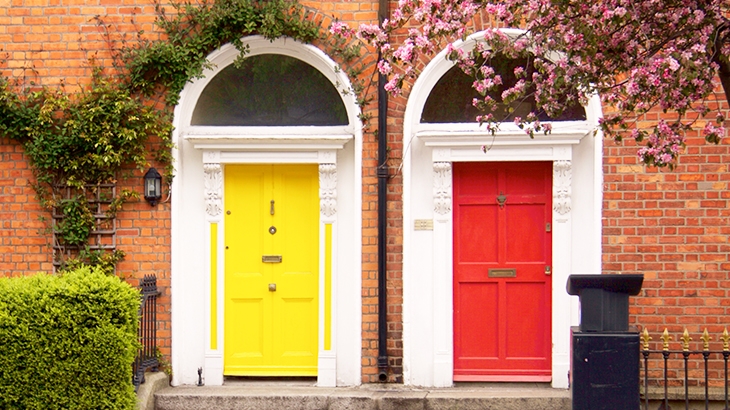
(270, 90)
(450, 101)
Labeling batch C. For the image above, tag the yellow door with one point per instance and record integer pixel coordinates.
(271, 271)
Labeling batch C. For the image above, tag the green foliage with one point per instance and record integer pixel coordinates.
(68, 341)
(77, 222)
(81, 140)
(193, 30)
(102, 261)
(85, 139)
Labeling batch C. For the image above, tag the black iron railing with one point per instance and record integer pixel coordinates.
(147, 332)
(695, 372)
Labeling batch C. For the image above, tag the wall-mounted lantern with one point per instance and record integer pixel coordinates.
(152, 186)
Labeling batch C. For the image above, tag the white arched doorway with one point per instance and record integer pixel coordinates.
(432, 152)
(199, 257)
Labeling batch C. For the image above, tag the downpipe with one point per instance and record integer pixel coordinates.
(382, 238)
(383, 174)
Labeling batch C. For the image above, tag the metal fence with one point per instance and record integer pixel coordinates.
(685, 367)
(147, 332)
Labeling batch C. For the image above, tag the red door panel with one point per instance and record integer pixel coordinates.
(502, 294)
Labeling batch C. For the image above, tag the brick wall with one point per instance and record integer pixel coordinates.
(672, 226)
(24, 242)
(49, 43)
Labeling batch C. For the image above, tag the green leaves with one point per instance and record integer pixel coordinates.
(87, 138)
(77, 222)
(68, 341)
(76, 141)
(83, 139)
(195, 30)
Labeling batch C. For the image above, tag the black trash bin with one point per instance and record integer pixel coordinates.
(605, 350)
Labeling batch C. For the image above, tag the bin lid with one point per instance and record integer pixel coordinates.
(627, 283)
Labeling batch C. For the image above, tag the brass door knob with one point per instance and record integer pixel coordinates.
(272, 287)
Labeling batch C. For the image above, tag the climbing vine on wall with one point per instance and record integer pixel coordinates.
(79, 141)
(193, 30)
(75, 143)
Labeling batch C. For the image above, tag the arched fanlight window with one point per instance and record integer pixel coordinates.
(450, 100)
(269, 90)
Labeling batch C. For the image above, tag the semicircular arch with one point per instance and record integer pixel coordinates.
(257, 45)
(431, 152)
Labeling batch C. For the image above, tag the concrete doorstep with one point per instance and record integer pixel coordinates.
(277, 396)
(154, 382)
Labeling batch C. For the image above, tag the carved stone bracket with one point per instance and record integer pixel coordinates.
(213, 176)
(442, 188)
(562, 176)
(327, 190)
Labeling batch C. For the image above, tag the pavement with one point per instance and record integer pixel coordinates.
(259, 395)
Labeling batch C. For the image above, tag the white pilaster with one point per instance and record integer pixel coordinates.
(443, 356)
(562, 228)
(213, 195)
(327, 359)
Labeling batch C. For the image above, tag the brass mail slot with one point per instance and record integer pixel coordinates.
(502, 273)
(271, 259)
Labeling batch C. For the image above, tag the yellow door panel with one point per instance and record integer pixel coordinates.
(271, 308)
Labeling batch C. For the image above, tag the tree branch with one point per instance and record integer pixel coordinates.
(721, 36)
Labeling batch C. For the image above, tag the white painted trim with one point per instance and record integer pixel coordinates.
(433, 138)
(244, 139)
(428, 284)
(218, 146)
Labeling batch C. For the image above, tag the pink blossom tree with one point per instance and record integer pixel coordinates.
(637, 55)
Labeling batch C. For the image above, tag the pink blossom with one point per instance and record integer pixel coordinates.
(384, 67)
(341, 29)
(637, 55)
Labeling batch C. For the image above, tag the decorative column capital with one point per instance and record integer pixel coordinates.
(562, 191)
(213, 177)
(328, 191)
(442, 189)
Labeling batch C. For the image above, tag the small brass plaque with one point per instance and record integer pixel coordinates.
(423, 224)
(271, 259)
(502, 273)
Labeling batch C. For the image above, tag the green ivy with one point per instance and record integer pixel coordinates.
(79, 140)
(193, 30)
(77, 223)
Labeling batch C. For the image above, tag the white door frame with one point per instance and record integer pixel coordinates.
(198, 259)
(430, 151)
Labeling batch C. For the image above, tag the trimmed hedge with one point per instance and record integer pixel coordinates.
(67, 341)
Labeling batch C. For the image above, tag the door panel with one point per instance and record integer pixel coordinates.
(271, 210)
(502, 302)
(522, 321)
(476, 247)
(527, 242)
(474, 324)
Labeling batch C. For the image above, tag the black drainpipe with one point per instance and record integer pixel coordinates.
(382, 213)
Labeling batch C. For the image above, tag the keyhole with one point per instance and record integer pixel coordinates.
(271, 211)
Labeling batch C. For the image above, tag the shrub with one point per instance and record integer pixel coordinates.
(68, 341)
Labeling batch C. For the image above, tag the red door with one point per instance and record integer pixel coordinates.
(502, 268)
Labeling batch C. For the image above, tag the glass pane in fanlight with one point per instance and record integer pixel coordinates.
(269, 90)
(450, 101)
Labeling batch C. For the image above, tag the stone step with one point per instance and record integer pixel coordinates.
(521, 396)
